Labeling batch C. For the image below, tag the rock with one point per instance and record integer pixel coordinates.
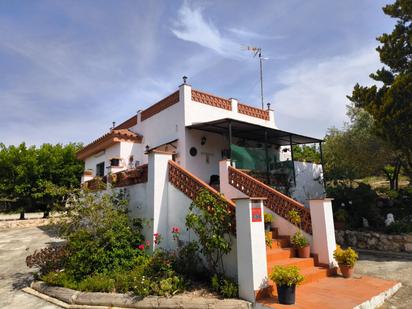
(408, 247)
(106, 299)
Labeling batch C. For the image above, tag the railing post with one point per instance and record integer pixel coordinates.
(323, 231)
(251, 247)
(226, 188)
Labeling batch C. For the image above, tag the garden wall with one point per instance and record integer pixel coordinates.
(374, 241)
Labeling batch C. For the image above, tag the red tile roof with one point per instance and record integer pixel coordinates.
(107, 140)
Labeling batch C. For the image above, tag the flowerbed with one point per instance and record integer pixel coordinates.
(106, 252)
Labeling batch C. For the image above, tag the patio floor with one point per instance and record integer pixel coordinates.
(336, 293)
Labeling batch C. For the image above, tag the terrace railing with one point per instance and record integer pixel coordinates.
(275, 200)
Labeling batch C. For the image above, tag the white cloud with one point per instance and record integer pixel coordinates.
(242, 33)
(314, 92)
(192, 27)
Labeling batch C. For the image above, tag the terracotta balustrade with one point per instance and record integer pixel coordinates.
(276, 201)
(253, 111)
(119, 179)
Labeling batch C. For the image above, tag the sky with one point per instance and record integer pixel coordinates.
(68, 69)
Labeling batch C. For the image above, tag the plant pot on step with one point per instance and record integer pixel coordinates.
(286, 294)
(347, 271)
(304, 252)
(267, 226)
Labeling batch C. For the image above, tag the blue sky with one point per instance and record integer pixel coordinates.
(70, 68)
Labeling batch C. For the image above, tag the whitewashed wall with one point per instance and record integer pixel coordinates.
(104, 156)
(309, 182)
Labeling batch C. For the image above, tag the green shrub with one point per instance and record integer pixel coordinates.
(399, 227)
(188, 261)
(298, 240)
(97, 283)
(211, 219)
(100, 237)
(286, 275)
(224, 286)
(346, 257)
(60, 279)
(268, 239)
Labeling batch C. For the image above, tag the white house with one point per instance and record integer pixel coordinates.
(192, 140)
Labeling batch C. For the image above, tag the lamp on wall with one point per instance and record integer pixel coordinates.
(203, 140)
(147, 148)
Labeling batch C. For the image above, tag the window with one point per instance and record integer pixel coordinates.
(100, 169)
(115, 162)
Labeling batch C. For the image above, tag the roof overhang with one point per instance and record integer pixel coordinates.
(108, 140)
(254, 132)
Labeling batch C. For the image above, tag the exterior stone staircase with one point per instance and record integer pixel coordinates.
(282, 253)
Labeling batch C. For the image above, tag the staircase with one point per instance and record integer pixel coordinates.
(282, 253)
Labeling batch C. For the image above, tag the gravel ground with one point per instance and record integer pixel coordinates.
(393, 266)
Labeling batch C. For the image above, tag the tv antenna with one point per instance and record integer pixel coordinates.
(257, 51)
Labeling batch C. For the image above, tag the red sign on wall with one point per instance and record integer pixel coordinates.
(256, 213)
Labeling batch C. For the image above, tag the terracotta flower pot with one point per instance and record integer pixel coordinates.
(347, 271)
(304, 252)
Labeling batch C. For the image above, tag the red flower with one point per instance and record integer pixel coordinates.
(140, 247)
(156, 235)
(175, 229)
(147, 243)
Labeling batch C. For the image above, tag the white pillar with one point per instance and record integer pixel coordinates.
(234, 104)
(251, 247)
(157, 194)
(323, 231)
(226, 188)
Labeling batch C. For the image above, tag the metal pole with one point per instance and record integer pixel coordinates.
(230, 140)
(267, 158)
(261, 78)
(293, 160)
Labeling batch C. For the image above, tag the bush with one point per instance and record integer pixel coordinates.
(224, 286)
(346, 257)
(97, 283)
(399, 227)
(268, 218)
(60, 279)
(286, 275)
(211, 219)
(298, 240)
(100, 238)
(48, 259)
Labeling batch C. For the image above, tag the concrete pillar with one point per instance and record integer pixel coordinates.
(251, 247)
(225, 187)
(157, 188)
(323, 231)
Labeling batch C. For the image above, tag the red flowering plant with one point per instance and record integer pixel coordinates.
(157, 238)
(175, 233)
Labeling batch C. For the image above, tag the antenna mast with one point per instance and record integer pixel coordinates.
(258, 52)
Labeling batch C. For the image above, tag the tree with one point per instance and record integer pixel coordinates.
(38, 178)
(391, 104)
(306, 153)
(356, 152)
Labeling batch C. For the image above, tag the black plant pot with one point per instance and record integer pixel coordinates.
(286, 294)
(267, 226)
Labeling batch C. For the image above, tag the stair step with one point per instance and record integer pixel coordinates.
(274, 254)
(300, 263)
(310, 274)
(280, 243)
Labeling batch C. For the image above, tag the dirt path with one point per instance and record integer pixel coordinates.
(389, 266)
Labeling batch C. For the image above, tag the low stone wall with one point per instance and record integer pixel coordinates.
(374, 241)
(68, 298)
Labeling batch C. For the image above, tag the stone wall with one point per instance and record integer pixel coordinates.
(374, 241)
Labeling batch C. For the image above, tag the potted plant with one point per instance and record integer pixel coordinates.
(298, 240)
(267, 218)
(346, 260)
(286, 279)
(301, 244)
